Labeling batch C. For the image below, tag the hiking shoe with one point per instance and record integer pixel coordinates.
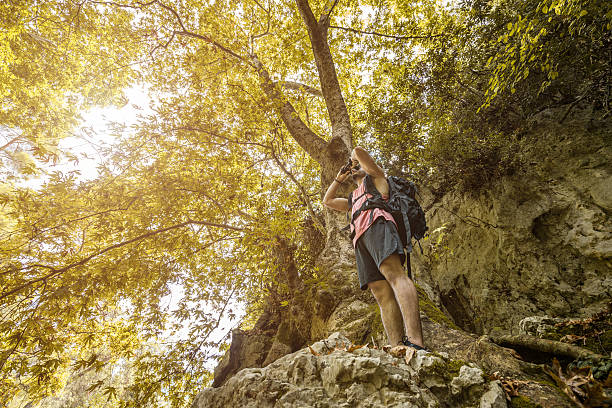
(407, 343)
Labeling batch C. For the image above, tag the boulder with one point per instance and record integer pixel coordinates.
(535, 243)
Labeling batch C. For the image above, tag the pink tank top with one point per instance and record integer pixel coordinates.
(362, 223)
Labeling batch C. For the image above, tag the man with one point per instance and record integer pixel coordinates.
(379, 252)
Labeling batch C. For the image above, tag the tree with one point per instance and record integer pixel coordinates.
(457, 110)
(189, 198)
(532, 43)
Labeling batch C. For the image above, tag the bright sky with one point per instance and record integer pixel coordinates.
(96, 129)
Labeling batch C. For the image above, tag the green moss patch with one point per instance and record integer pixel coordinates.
(523, 402)
(431, 310)
(376, 325)
(447, 369)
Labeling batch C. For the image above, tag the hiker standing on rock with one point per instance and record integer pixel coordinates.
(378, 249)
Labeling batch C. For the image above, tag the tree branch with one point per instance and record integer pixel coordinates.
(34, 310)
(217, 323)
(296, 86)
(315, 219)
(303, 135)
(10, 142)
(54, 272)
(546, 346)
(395, 37)
(327, 12)
(213, 43)
(330, 87)
(9, 234)
(214, 134)
(256, 36)
(183, 31)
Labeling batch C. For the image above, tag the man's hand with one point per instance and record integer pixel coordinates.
(342, 176)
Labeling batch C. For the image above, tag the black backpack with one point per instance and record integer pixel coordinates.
(402, 205)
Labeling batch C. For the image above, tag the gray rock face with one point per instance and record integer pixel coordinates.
(467, 377)
(538, 243)
(331, 374)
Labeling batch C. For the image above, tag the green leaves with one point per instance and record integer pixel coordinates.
(56, 58)
(95, 385)
(533, 42)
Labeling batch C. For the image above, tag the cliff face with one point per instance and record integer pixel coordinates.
(537, 243)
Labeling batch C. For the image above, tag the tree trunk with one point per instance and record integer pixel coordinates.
(331, 155)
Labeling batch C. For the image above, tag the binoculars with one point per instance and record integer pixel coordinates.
(348, 166)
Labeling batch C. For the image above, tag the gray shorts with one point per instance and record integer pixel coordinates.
(379, 242)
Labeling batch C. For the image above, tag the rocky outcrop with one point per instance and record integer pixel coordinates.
(519, 257)
(538, 243)
(335, 373)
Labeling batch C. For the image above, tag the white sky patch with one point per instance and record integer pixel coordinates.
(96, 132)
(226, 324)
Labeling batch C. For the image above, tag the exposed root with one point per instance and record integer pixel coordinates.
(546, 346)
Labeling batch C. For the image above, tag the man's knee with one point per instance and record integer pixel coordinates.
(392, 269)
(381, 290)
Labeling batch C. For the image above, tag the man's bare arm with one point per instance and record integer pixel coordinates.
(330, 200)
(367, 162)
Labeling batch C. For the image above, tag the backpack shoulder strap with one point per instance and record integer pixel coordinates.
(370, 188)
(350, 208)
(392, 185)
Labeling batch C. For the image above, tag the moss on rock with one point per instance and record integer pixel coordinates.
(445, 368)
(377, 325)
(523, 402)
(454, 366)
(432, 311)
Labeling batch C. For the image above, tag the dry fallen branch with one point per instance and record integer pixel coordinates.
(510, 386)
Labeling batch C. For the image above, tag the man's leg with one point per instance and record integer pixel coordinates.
(406, 296)
(390, 313)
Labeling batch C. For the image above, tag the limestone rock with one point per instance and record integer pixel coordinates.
(535, 243)
(537, 326)
(468, 376)
(276, 351)
(329, 375)
(495, 397)
(352, 318)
